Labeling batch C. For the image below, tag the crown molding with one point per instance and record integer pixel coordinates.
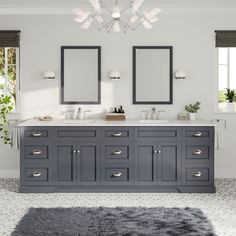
(64, 7)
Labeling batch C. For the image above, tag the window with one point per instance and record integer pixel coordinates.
(9, 66)
(226, 46)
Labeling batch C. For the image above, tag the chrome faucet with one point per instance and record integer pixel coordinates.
(155, 115)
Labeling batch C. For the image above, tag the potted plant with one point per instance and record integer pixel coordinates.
(6, 106)
(192, 109)
(230, 96)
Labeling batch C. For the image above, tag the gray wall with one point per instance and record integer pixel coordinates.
(190, 32)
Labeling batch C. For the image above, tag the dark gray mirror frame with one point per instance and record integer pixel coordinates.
(170, 48)
(98, 48)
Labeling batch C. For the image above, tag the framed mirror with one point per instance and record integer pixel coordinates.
(80, 74)
(152, 75)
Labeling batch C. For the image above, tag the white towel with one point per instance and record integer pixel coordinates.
(14, 138)
(219, 138)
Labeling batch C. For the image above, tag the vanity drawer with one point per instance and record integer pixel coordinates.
(116, 174)
(197, 152)
(158, 132)
(36, 174)
(197, 174)
(36, 152)
(198, 133)
(76, 133)
(117, 152)
(117, 133)
(36, 133)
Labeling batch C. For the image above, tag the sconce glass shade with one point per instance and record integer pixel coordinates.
(180, 74)
(49, 75)
(115, 75)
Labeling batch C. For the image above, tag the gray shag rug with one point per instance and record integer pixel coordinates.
(128, 221)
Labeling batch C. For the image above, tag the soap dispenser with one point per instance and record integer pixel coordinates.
(79, 114)
(154, 114)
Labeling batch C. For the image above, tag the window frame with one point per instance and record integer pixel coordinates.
(217, 110)
(17, 104)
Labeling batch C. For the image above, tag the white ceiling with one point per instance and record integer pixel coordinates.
(50, 3)
(12, 7)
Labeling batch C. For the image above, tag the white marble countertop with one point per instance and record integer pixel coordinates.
(100, 122)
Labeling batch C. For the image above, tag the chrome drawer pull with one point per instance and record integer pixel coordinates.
(37, 134)
(197, 134)
(197, 152)
(36, 152)
(117, 134)
(197, 174)
(116, 152)
(36, 174)
(116, 174)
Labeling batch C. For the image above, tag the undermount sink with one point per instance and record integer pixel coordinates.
(78, 121)
(154, 121)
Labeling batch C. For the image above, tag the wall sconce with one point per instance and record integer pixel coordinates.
(180, 74)
(115, 75)
(49, 75)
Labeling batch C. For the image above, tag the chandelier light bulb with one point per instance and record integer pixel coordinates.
(147, 25)
(116, 12)
(87, 24)
(150, 17)
(82, 16)
(155, 11)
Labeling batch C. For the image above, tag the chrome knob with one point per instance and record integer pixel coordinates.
(74, 151)
(197, 152)
(36, 174)
(36, 152)
(117, 134)
(37, 134)
(157, 151)
(78, 151)
(116, 174)
(197, 134)
(197, 174)
(116, 152)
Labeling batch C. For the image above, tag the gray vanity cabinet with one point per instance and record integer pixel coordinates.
(158, 164)
(158, 156)
(169, 164)
(117, 159)
(65, 163)
(76, 155)
(76, 163)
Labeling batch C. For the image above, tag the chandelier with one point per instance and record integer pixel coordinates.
(118, 18)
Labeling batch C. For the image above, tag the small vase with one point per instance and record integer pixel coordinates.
(230, 106)
(192, 116)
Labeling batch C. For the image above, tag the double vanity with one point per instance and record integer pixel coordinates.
(125, 156)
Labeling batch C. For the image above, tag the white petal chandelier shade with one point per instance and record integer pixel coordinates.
(118, 18)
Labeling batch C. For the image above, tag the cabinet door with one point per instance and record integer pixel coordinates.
(65, 168)
(146, 164)
(169, 168)
(87, 164)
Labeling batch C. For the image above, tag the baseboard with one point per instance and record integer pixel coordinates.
(218, 173)
(9, 173)
(225, 173)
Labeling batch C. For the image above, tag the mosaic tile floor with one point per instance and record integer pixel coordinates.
(220, 207)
